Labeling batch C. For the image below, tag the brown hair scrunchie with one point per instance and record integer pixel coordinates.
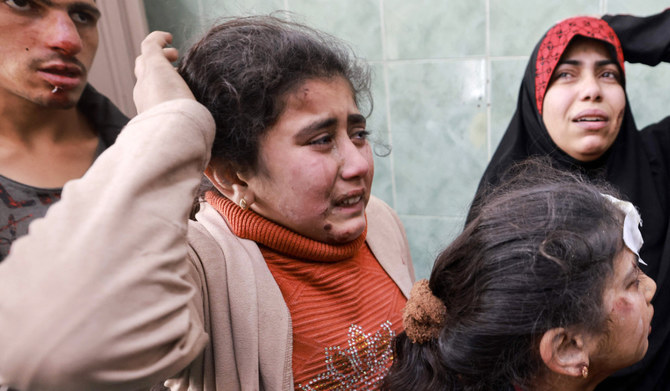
(424, 314)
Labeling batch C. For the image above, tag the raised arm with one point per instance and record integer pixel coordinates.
(95, 296)
(644, 40)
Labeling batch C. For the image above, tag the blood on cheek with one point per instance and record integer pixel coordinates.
(622, 306)
(625, 309)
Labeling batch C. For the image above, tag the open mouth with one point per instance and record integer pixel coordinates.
(589, 119)
(63, 76)
(349, 201)
(66, 70)
(591, 116)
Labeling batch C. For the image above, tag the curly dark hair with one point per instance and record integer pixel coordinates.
(537, 256)
(243, 68)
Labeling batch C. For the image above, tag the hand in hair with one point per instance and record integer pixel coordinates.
(157, 79)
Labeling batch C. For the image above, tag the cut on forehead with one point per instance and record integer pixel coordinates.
(300, 88)
(298, 91)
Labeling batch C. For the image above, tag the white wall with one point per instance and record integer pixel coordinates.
(122, 27)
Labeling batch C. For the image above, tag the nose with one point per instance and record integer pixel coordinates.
(649, 288)
(61, 34)
(355, 162)
(590, 88)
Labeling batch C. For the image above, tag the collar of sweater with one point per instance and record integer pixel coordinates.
(247, 224)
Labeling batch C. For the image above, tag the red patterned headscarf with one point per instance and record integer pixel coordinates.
(556, 41)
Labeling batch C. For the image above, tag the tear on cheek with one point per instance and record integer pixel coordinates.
(327, 227)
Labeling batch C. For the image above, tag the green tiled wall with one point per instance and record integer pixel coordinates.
(446, 78)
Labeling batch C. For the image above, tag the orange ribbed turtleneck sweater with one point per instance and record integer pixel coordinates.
(344, 308)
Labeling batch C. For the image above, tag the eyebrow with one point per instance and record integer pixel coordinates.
(329, 122)
(356, 119)
(77, 6)
(599, 63)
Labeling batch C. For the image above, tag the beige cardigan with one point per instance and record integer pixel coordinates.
(105, 292)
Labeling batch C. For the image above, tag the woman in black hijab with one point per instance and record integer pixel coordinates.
(595, 133)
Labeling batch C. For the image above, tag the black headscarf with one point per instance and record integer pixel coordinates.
(636, 164)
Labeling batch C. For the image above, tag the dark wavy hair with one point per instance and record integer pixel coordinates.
(537, 256)
(243, 68)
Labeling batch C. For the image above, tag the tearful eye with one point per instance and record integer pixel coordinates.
(562, 74)
(362, 134)
(323, 140)
(612, 75)
(360, 137)
(20, 5)
(82, 17)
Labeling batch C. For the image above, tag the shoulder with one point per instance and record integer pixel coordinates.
(214, 255)
(378, 209)
(212, 241)
(388, 242)
(200, 239)
(382, 219)
(656, 140)
(659, 130)
(217, 245)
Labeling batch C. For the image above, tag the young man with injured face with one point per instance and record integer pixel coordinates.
(53, 124)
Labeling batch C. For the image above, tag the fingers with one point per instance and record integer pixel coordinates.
(155, 39)
(171, 54)
(153, 49)
(157, 79)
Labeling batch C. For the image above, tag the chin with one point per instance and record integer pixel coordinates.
(63, 102)
(589, 156)
(62, 105)
(347, 235)
(636, 357)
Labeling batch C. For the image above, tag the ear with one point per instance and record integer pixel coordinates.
(231, 184)
(564, 351)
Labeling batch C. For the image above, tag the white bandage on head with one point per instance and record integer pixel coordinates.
(632, 237)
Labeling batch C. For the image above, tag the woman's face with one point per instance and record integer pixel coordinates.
(584, 104)
(316, 166)
(628, 300)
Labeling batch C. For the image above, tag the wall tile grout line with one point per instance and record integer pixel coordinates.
(488, 78)
(387, 102)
